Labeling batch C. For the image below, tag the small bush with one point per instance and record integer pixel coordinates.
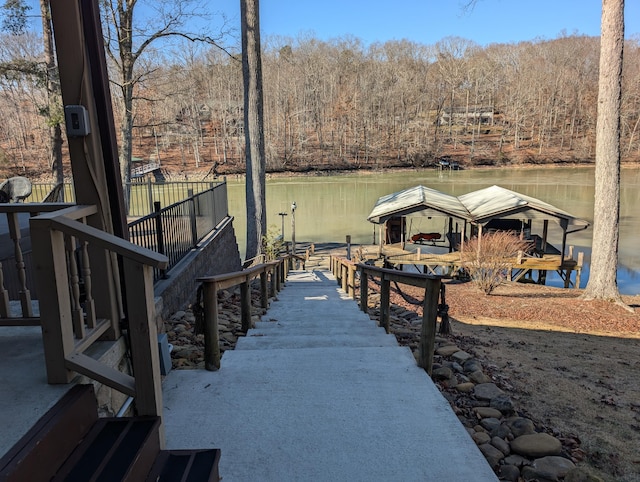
(272, 243)
(489, 265)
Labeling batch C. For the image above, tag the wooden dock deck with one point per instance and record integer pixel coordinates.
(521, 267)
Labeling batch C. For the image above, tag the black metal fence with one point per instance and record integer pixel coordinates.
(178, 228)
(142, 195)
(175, 216)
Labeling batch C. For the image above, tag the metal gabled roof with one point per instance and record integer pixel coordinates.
(498, 202)
(417, 199)
(476, 207)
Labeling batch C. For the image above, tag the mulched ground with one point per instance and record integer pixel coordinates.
(558, 307)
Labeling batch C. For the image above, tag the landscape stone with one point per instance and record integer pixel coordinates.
(465, 387)
(461, 356)
(486, 412)
(517, 460)
(479, 376)
(481, 438)
(487, 391)
(503, 403)
(510, 473)
(442, 373)
(521, 426)
(501, 444)
(472, 365)
(536, 445)
(490, 424)
(551, 467)
(447, 350)
(492, 454)
(501, 431)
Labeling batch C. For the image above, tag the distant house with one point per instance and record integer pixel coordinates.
(462, 115)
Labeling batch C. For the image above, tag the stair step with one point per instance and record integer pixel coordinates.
(186, 466)
(116, 449)
(39, 453)
(314, 341)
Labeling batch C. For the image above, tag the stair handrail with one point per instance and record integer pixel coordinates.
(64, 343)
(276, 270)
(344, 271)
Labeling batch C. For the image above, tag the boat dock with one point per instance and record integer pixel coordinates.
(453, 263)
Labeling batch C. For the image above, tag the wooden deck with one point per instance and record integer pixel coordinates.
(522, 267)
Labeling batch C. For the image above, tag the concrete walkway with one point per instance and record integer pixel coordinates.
(318, 392)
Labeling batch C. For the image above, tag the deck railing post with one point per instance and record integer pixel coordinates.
(274, 281)
(428, 331)
(245, 305)
(344, 277)
(55, 299)
(144, 339)
(352, 280)
(278, 274)
(192, 218)
(384, 302)
(364, 290)
(264, 292)
(211, 336)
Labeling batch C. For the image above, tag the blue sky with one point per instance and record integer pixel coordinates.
(428, 21)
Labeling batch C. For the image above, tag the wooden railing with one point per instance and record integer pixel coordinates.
(23, 313)
(76, 269)
(272, 273)
(345, 272)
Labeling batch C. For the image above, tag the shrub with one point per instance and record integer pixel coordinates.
(491, 258)
(272, 243)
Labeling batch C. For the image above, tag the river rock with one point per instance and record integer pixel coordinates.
(510, 473)
(479, 376)
(536, 445)
(487, 391)
(521, 426)
(472, 365)
(486, 412)
(178, 315)
(442, 373)
(492, 454)
(517, 460)
(465, 387)
(502, 431)
(503, 403)
(447, 350)
(501, 444)
(461, 356)
(481, 438)
(490, 424)
(550, 468)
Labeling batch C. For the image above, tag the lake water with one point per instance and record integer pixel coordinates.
(331, 207)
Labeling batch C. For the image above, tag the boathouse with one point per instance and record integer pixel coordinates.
(484, 210)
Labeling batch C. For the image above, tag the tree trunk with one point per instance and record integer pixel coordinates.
(253, 128)
(604, 256)
(53, 97)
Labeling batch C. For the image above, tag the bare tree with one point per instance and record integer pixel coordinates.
(253, 127)
(15, 21)
(127, 39)
(604, 256)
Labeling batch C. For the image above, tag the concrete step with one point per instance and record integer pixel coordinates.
(303, 341)
(318, 391)
(324, 414)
